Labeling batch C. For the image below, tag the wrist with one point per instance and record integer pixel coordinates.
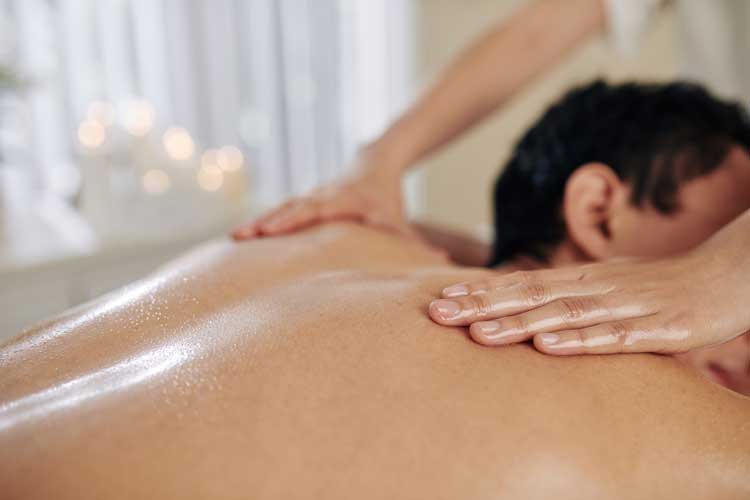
(390, 152)
(378, 162)
(723, 264)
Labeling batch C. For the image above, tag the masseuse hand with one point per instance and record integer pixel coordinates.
(371, 194)
(667, 306)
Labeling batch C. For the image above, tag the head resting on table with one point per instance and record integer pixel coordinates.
(646, 170)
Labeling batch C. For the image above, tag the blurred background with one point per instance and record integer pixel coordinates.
(130, 130)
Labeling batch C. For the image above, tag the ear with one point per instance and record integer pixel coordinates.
(588, 205)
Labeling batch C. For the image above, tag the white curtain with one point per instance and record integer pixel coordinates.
(298, 85)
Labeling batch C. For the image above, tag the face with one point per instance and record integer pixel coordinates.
(707, 204)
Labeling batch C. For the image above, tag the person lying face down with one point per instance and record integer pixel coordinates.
(627, 170)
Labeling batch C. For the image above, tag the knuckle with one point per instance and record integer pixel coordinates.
(674, 333)
(574, 309)
(480, 305)
(535, 293)
(620, 334)
(581, 337)
(479, 286)
(518, 324)
(521, 277)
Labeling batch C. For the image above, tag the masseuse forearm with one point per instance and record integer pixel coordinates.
(730, 247)
(487, 74)
(733, 240)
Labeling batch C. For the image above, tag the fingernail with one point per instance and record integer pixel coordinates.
(456, 291)
(445, 309)
(486, 328)
(548, 338)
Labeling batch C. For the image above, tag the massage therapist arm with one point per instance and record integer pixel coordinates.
(483, 78)
(697, 300)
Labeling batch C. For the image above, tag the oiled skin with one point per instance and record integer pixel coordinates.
(306, 367)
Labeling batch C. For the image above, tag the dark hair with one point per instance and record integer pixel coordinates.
(654, 136)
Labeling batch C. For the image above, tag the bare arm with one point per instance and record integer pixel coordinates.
(487, 74)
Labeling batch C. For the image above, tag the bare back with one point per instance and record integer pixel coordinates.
(306, 367)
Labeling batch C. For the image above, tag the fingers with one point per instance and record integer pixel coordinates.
(297, 215)
(638, 335)
(562, 314)
(505, 281)
(496, 303)
(246, 231)
(600, 270)
(294, 215)
(265, 222)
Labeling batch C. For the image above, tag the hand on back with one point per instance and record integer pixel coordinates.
(666, 306)
(369, 194)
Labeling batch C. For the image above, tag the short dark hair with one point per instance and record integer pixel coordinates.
(654, 136)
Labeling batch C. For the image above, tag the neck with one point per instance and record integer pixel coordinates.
(565, 254)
